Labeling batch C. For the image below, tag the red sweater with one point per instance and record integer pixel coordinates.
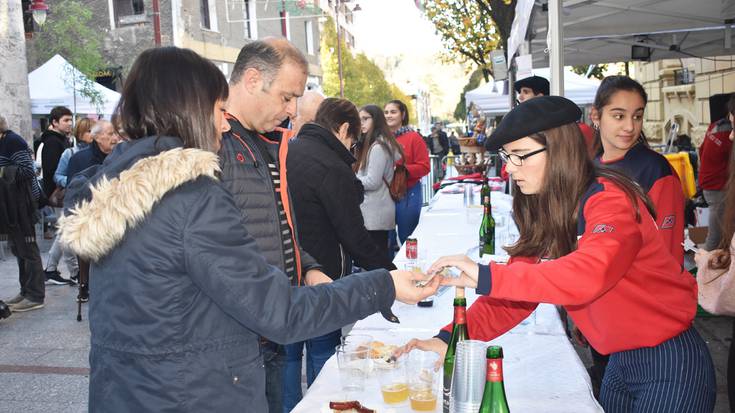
(618, 288)
(415, 155)
(714, 156)
(654, 174)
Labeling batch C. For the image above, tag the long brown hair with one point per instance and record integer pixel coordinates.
(380, 135)
(721, 257)
(547, 221)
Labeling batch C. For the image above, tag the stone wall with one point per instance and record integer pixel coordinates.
(15, 104)
(687, 104)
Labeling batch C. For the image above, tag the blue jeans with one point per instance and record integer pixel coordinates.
(408, 211)
(274, 359)
(318, 351)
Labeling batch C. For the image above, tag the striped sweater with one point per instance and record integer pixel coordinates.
(15, 151)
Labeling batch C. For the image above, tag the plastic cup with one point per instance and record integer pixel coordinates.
(393, 381)
(423, 380)
(353, 363)
(468, 378)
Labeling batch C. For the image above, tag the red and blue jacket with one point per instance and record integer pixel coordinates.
(619, 289)
(654, 174)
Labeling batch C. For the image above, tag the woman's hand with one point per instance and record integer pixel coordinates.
(316, 277)
(433, 344)
(406, 289)
(469, 269)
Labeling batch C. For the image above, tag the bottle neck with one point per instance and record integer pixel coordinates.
(494, 370)
(460, 314)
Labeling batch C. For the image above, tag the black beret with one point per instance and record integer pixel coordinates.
(533, 116)
(537, 83)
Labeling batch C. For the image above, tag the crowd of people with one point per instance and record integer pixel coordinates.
(232, 228)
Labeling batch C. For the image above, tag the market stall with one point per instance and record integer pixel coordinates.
(542, 370)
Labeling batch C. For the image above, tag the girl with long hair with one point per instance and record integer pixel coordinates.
(416, 160)
(374, 167)
(588, 242)
(715, 266)
(617, 117)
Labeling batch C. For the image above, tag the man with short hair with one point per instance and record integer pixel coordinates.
(531, 87)
(54, 140)
(306, 108)
(104, 139)
(267, 79)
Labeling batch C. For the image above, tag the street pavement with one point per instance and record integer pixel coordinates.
(44, 364)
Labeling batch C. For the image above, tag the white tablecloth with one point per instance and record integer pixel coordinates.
(541, 369)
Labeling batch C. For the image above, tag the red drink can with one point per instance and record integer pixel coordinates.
(412, 248)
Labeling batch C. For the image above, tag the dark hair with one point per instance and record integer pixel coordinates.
(608, 87)
(547, 221)
(333, 112)
(267, 57)
(380, 134)
(721, 258)
(171, 91)
(59, 112)
(401, 107)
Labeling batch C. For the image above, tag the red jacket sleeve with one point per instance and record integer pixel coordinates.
(668, 198)
(418, 159)
(604, 255)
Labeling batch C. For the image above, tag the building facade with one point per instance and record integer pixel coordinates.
(678, 92)
(216, 29)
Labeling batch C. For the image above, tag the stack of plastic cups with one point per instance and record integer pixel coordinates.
(468, 379)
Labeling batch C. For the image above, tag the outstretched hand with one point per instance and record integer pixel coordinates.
(469, 270)
(433, 344)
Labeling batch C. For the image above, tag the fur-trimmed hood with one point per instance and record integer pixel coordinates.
(126, 190)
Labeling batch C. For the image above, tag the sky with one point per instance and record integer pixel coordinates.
(396, 35)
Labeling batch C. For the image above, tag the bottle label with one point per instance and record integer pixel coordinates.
(495, 370)
(412, 248)
(460, 315)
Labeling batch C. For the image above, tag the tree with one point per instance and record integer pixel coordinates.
(364, 82)
(460, 112)
(69, 33)
(598, 71)
(471, 29)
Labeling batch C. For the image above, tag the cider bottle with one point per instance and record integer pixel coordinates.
(459, 333)
(493, 397)
(487, 228)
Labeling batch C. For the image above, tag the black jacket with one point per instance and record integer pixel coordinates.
(327, 198)
(180, 292)
(245, 174)
(54, 145)
(89, 156)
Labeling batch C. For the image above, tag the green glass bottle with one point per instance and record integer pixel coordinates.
(487, 228)
(493, 397)
(485, 190)
(459, 333)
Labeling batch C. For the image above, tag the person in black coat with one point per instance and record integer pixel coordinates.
(55, 140)
(179, 290)
(326, 198)
(104, 139)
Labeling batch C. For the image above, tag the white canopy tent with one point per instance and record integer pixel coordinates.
(600, 31)
(490, 99)
(57, 83)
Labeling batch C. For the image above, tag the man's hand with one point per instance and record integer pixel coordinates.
(407, 291)
(433, 344)
(316, 277)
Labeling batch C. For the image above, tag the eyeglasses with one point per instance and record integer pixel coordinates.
(515, 159)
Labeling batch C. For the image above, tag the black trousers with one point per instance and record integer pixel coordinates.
(731, 371)
(30, 268)
(380, 238)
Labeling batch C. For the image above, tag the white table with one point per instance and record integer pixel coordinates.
(542, 371)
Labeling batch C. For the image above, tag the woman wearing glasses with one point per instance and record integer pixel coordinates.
(588, 242)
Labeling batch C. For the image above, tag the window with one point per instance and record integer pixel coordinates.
(309, 28)
(128, 12)
(209, 14)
